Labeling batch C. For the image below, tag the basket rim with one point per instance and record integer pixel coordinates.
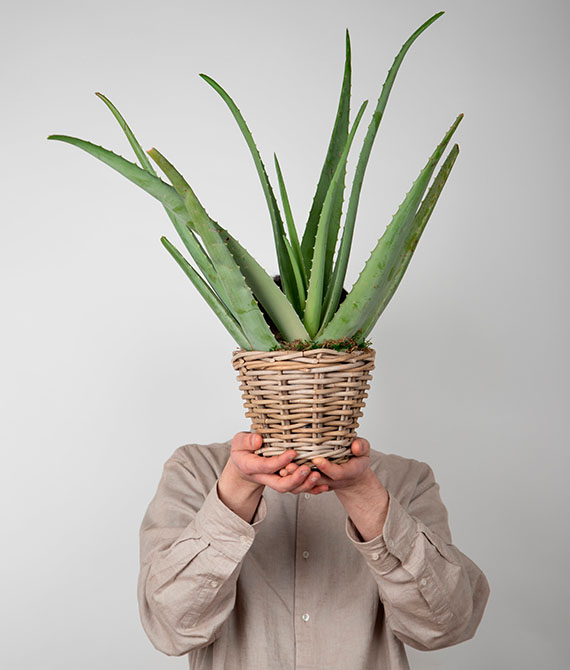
(305, 353)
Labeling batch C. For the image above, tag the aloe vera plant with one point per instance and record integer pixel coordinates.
(313, 268)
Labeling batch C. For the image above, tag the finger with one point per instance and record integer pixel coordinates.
(360, 447)
(268, 464)
(314, 479)
(287, 483)
(331, 470)
(245, 441)
(288, 469)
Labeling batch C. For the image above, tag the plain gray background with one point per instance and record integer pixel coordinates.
(110, 359)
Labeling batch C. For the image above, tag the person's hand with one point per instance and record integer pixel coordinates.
(338, 476)
(357, 487)
(266, 470)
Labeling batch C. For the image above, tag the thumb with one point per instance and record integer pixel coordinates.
(254, 441)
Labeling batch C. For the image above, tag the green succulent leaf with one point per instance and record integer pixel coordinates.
(202, 259)
(285, 269)
(411, 240)
(297, 262)
(370, 289)
(296, 271)
(312, 316)
(139, 151)
(339, 273)
(218, 307)
(242, 303)
(336, 145)
(269, 294)
(266, 291)
(163, 192)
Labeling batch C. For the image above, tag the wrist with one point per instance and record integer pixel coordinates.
(366, 503)
(366, 485)
(238, 493)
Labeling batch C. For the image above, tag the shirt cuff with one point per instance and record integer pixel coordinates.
(385, 552)
(227, 532)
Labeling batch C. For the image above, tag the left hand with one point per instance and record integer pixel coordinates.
(336, 476)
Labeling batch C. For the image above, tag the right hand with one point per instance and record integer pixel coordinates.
(264, 470)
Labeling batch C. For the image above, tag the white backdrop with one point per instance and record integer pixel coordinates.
(110, 360)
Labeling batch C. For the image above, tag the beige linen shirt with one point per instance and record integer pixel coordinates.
(296, 589)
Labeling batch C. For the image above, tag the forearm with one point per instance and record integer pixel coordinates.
(238, 494)
(187, 587)
(366, 503)
(433, 595)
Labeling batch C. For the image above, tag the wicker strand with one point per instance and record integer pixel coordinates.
(309, 401)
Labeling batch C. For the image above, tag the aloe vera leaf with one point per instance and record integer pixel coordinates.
(339, 273)
(313, 308)
(242, 302)
(163, 192)
(139, 151)
(285, 269)
(202, 259)
(298, 257)
(334, 151)
(370, 287)
(296, 272)
(411, 240)
(218, 307)
(269, 294)
(266, 290)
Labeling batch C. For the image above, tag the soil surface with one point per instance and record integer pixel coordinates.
(345, 344)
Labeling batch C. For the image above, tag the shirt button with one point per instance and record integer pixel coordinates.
(305, 616)
(307, 496)
(423, 581)
(305, 554)
(244, 539)
(390, 543)
(213, 584)
(375, 556)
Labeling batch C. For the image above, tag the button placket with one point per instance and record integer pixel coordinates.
(307, 512)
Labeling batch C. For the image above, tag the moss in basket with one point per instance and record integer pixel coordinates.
(308, 311)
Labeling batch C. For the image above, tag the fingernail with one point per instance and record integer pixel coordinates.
(319, 461)
(304, 473)
(314, 478)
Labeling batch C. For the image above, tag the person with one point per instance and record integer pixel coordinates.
(250, 562)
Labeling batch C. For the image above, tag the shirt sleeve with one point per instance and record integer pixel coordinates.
(191, 550)
(433, 595)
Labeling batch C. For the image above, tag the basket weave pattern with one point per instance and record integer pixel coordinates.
(309, 401)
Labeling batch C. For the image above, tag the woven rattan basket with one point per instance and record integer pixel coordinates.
(309, 401)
